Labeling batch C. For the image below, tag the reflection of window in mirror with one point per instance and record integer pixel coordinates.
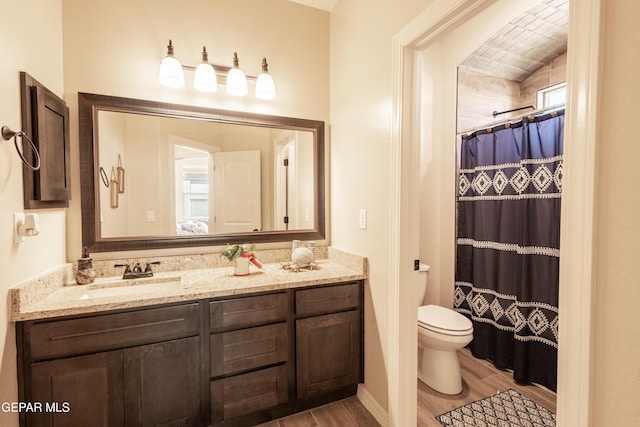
(192, 174)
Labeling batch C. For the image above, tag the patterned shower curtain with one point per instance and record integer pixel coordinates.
(509, 191)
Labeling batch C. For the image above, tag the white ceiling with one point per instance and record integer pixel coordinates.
(525, 44)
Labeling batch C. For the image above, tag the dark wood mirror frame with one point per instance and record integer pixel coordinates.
(88, 107)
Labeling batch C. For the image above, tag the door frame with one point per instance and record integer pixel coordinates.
(575, 379)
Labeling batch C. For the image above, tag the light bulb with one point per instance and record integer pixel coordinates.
(171, 73)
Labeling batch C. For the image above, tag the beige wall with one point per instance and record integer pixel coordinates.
(115, 47)
(617, 293)
(40, 54)
(361, 123)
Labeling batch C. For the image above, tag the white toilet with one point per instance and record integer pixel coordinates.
(441, 332)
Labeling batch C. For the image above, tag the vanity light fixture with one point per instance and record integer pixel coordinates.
(172, 75)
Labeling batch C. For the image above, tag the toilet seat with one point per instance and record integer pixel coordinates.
(443, 320)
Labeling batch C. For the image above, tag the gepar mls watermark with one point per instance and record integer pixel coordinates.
(27, 407)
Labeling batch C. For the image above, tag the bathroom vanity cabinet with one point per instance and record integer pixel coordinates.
(239, 360)
(131, 368)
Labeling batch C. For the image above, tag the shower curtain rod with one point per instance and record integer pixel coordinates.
(497, 113)
(512, 120)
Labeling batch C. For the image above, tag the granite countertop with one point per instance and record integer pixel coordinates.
(47, 297)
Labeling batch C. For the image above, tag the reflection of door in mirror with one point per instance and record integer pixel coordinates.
(285, 168)
(293, 190)
(192, 195)
(237, 191)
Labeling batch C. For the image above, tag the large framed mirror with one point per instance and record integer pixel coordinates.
(158, 175)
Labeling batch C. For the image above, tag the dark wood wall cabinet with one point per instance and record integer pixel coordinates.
(45, 119)
(235, 361)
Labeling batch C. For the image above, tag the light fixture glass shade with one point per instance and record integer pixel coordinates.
(171, 73)
(205, 78)
(236, 80)
(265, 87)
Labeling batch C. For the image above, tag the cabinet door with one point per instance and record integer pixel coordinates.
(78, 391)
(328, 353)
(51, 116)
(162, 383)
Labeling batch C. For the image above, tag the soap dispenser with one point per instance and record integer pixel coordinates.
(85, 273)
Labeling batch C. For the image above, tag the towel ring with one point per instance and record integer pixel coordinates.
(7, 134)
(104, 177)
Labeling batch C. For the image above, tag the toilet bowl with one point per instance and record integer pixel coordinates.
(441, 332)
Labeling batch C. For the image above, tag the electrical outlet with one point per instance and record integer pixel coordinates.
(151, 216)
(363, 219)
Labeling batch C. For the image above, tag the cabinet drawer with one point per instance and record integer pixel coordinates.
(247, 349)
(327, 299)
(247, 393)
(110, 331)
(248, 311)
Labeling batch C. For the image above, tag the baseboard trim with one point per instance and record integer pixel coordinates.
(372, 406)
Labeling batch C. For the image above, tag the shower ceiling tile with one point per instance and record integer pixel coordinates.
(525, 44)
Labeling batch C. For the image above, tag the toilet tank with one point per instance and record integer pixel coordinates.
(424, 274)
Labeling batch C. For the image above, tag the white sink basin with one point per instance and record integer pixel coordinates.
(136, 286)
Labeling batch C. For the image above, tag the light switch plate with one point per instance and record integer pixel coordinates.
(363, 219)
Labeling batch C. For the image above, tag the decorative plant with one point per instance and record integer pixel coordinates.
(236, 251)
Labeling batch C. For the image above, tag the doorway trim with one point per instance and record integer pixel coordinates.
(577, 223)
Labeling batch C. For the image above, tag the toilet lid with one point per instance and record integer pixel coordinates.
(437, 317)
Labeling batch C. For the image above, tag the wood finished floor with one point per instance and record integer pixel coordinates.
(343, 413)
(479, 380)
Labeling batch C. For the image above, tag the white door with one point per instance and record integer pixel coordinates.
(236, 194)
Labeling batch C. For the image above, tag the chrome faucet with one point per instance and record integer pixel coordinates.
(136, 271)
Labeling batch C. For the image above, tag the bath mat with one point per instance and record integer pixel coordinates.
(504, 409)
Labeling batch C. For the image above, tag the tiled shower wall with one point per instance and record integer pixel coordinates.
(479, 95)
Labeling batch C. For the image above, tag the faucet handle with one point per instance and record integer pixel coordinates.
(127, 267)
(149, 264)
